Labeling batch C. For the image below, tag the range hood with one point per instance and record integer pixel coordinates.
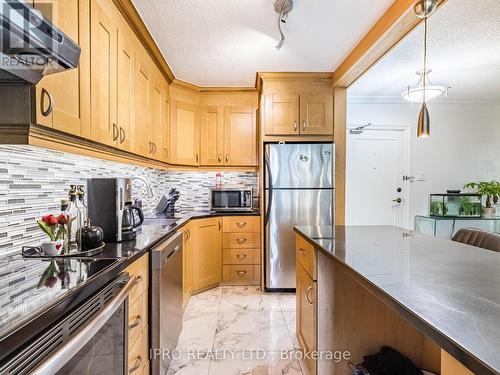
(31, 46)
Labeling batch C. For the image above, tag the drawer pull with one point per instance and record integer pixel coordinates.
(138, 279)
(307, 295)
(136, 366)
(135, 323)
(241, 273)
(241, 240)
(241, 256)
(302, 251)
(241, 224)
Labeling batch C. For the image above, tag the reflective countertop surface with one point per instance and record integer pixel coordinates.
(452, 289)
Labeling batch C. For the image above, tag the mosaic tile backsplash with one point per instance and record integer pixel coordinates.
(34, 180)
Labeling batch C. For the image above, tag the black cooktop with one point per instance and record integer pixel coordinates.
(35, 292)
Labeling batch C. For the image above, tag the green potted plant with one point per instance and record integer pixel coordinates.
(491, 190)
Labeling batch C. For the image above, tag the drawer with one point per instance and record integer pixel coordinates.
(257, 256)
(135, 321)
(136, 358)
(238, 240)
(238, 256)
(145, 350)
(238, 274)
(140, 269)
(306, 256)
(241, 224)
(257, 268)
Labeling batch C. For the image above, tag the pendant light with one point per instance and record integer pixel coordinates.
(423, 9)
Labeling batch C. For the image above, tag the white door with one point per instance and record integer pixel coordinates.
(376, 194)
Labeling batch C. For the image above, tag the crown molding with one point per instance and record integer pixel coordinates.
(293, 76)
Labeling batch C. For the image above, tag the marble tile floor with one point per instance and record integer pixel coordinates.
(237, 331)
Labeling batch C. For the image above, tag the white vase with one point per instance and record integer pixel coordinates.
(489, 212)
(52, 248)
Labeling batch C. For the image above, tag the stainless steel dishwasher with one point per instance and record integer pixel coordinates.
(166, 301)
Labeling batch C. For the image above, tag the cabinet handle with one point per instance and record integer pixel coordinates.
(304, 126)
(135, 323)
(241, 256)
(197, 157)
(227, 158)
(150, 148)
(219, 225)
(115, 132)
(219, 158)
(136, 366)
(189, 234)
(122, 135)
(241, 224)
(241, 240)
(48, 111)
(307, 295)
(241, 273)
(295, 126)
(138, 279)
(302, 251)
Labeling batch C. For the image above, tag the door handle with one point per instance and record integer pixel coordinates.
(136, 322)
(48, 111)
(307, 295)
(122, 135)
(115, 132)
(150, 147)
(397, 200)
(219, 225)
(197, 157)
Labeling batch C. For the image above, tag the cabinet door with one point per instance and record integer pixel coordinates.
(155, 130)
(103, 39)
(212, 135)
(240, 136)
(165, 117)
(63, 99)
(316, 114)
(184, 133)
(207, 252)
(142, 93)
(282, 114)
(187, 265)
(306, 315)
(125, 94)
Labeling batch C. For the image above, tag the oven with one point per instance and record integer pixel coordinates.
(231, 199)
(91, 339)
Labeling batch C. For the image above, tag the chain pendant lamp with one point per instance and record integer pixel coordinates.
(423, 9)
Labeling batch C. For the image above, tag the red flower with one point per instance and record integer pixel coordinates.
(62, 219)
(50, 220)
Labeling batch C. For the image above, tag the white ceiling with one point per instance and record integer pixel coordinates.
(225, 42)
(463, 52)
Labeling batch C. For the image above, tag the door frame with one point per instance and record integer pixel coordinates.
(406, 163)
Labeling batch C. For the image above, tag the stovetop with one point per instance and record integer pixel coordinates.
(28, 286)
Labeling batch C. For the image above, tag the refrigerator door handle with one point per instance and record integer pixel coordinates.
(270, 182)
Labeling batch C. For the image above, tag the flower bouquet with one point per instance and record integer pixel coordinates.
(55, 228)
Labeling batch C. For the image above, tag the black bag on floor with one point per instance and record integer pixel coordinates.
(389, 362)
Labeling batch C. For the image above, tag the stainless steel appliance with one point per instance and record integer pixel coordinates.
(231, 199)
(166, 301)
(92, 338)
(31, 46)
(110, 207)
(299, 190)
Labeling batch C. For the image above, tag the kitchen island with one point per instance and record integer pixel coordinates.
(436, 301)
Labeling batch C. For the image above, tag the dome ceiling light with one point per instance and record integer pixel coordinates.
(415, 94)
(282, 7)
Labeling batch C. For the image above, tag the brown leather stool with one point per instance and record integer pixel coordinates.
(478, 238)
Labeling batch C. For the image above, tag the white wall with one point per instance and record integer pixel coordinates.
(464, 145)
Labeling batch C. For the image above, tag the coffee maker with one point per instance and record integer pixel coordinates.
(110, 207)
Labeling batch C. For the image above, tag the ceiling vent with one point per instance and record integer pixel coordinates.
(282, 7)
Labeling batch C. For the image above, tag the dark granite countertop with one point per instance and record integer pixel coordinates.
(449, 291)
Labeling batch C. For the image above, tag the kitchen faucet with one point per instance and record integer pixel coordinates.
(148, 186)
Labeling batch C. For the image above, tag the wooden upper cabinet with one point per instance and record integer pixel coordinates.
(207, 252)
(157, 124)
(282, 114)
(184, 133)
(125, 94)
(316, 114)
(142, 92)
(165, 118)
(62, 100)
(103, 39)
(240, 136)
(212, 136)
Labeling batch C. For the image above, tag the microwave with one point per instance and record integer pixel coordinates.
(231, 199)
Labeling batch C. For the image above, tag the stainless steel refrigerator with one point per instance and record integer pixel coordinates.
(299, 190)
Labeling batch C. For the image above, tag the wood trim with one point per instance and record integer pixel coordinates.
(389, 30)
(294, 76)
(339, 136)
(211, 90)
(128, 10)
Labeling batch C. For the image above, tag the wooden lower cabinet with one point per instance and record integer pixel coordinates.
(207, 252)
(138, 335)
(187, 263)
(307, 315)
